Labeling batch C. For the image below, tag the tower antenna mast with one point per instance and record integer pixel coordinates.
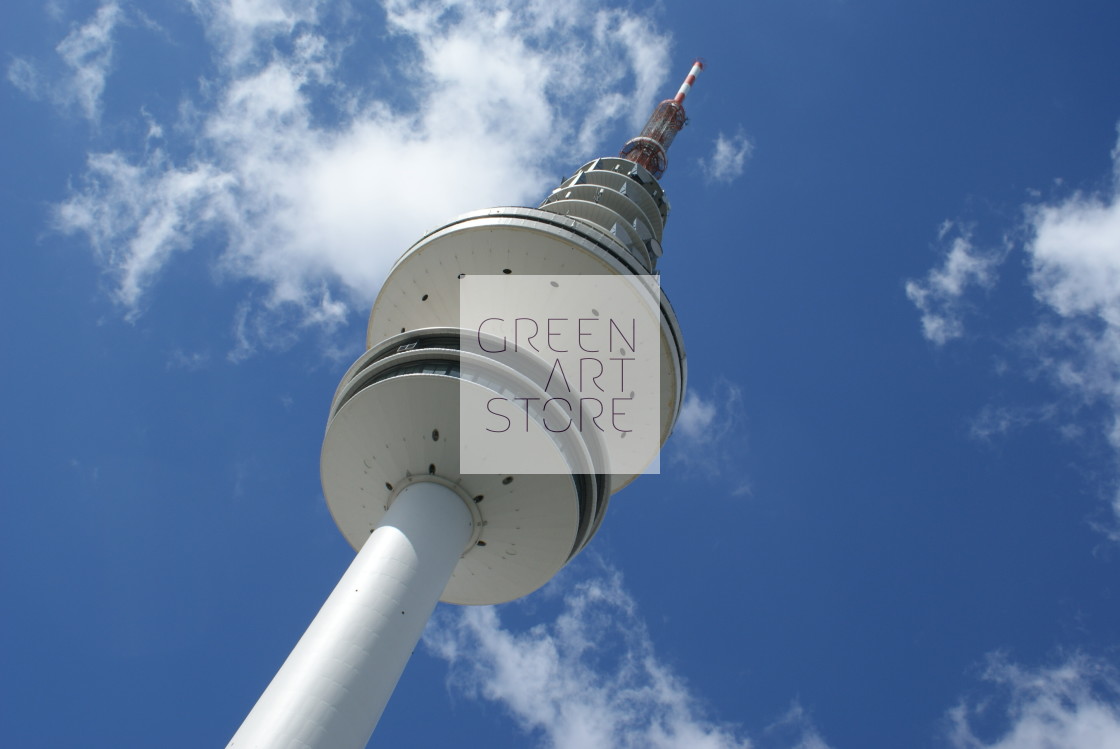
(650, 148)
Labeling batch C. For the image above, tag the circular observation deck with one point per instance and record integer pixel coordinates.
(394, 421)
(607, 219)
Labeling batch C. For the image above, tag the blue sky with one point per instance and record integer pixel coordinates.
(889, 514)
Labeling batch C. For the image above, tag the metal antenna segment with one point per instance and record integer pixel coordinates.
(426, 531)
(697, 66)
(650, 148)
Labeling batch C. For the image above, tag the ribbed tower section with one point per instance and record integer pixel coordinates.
(424, 530)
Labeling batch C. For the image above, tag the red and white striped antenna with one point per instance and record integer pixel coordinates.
(697, 66)
(650, 148)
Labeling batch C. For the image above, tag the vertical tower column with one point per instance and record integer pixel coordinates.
(332, 689)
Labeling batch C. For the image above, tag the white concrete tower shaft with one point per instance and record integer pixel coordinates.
(332, 689)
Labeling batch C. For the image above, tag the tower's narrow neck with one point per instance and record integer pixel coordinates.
(623, 201)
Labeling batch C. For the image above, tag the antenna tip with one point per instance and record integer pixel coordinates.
(697, 66)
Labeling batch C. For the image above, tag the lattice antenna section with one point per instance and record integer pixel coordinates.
(650, 149)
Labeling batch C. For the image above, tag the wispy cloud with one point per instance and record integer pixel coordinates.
(189, 361)
(728, 158)
(697, 420)
(87, 54)
(136, 215)
(240, 31)
(1072, 249)
(940, 297)
(1074, 252)
(314, 207)
(996, 420)
(1072, 706)
(708, 437)
(590, 677)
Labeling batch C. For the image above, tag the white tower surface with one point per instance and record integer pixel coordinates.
(424, 530)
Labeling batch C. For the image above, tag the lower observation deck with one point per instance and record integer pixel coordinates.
(395, 421)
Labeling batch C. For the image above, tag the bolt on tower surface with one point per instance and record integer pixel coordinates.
(425, 528)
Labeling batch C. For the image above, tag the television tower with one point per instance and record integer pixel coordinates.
(425, 531)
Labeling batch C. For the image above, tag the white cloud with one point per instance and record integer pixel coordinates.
(794, 730)
(1072, 249)
(728, 158)
(87, 53)
(1071, 706)
(189, 361)
(136, 215)
(1074, 252)
(940, 297)
(316, 213)
(707, 439)
(996, 420)
(589, 678)
(239, 29)
(26, 77)
(706, 419)
(696, 418)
